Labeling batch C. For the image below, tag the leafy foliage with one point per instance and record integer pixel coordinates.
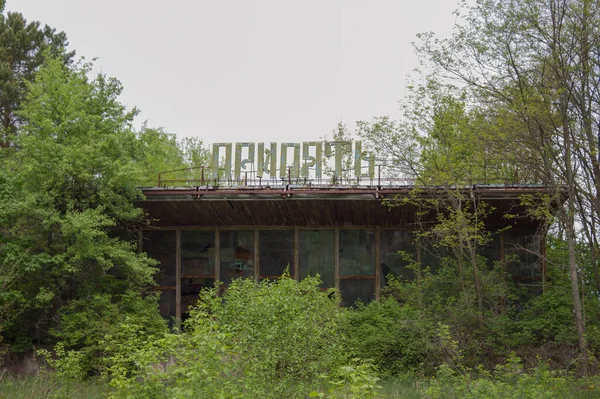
(84, 323)
(440, 139)
(70, 170)
(71, 183)
(159, 151)
(272, 339)
(508, 380)
(24, 47)
(397, 338)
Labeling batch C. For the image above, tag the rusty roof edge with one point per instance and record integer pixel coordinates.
(377, 192)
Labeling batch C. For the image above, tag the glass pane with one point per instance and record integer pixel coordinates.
(357, 265)
(392, 262)
(521, 249)
(237, 255)
(276, 252)
(354, 290)
(198, 254)
(432, 256)
(357, 253)
(197, 265)
(166, 305)
(317, 255)
(160, 245)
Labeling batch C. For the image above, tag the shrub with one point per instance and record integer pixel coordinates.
(507, 381)
(397, 338)
(271, 339)
(355, 380)
(85, 322)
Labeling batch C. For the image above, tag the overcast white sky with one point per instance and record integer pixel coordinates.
(250, 70)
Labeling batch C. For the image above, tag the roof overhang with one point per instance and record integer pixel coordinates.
(360, 206)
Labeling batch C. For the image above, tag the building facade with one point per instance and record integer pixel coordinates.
(353, 236)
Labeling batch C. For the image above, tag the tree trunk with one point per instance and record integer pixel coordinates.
(478, 288)
(577, 307)
(569, 219)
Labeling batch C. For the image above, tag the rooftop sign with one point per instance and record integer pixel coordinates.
(308, 159)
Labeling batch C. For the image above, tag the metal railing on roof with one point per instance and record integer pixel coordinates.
(204, 176)
(384, 176)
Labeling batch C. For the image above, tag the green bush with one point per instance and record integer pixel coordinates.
(507, 381)
(355, 380)
(397, 338)
(283, 329)
(84, 323)
(273, 339)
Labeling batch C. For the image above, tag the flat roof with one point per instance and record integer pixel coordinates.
(313, 206)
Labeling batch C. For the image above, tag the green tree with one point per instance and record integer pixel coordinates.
(178, 162)
(23, 47)
(71, 182)
(194, 153)
(440, 140)
(532, 64)
(158, 152)
(438, 143)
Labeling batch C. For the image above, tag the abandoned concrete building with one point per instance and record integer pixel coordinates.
(349, 234)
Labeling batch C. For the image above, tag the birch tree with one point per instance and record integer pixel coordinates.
(534, 66)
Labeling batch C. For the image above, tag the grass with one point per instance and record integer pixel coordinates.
(404, 389)
(46, 386)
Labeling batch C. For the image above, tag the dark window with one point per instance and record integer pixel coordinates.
(491, 250)
(317, 255)
(166, 305)
(521, 251)
(397, 250)
(276, 252)
(161, 245)
(197, 264)
(432, 255)
(237, 255)
(357, 265)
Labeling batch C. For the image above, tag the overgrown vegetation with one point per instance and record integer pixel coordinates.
(512, 98)
(70, 166)
(289, 339)
(274, 339)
